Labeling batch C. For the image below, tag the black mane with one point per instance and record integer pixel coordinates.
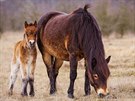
(87, 33)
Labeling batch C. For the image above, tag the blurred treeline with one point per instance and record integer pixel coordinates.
(112, 15)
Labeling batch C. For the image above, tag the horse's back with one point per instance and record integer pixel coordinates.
(52, 37)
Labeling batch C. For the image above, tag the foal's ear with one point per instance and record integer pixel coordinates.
(94, 62)
(35, 23)
(25, 24)
(108, 59)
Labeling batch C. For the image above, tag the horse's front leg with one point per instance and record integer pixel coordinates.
(24, 79)
(73, 74)
(87, 88)
(87, 82)
(31, 78)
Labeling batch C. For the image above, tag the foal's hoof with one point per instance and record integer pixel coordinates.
(32, 94)
(71, 96)
(24, 94)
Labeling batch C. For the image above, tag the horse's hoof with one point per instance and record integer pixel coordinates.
(10, 93)
(52, 92)
(86, 94)
(24, 94)
(71, 96)
(32, 94)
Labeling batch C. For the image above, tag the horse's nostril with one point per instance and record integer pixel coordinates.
(108, 93)
(32, 43)
(101, 95)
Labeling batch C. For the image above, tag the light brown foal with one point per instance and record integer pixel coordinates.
(24, 58)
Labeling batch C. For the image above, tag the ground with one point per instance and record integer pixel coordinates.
(121, 82)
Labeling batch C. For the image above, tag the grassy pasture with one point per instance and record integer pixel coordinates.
(121, 82)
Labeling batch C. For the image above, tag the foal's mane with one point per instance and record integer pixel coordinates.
(87, 33)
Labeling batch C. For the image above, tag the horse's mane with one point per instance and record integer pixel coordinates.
(87, 33)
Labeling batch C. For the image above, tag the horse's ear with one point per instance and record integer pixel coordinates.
(86, 7)
(25, 24)
(94, 62)
(35, 23)
(108, 59)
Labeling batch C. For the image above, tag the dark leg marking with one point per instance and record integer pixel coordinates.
(31, 83)
(73, 75)
(24, 87)
(87, 88)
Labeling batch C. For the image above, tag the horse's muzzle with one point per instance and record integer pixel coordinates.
(102, 93)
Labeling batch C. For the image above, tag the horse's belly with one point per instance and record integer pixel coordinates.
(56, 47)
(57, 51)
(60, 52)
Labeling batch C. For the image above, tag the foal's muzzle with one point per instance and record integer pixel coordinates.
(32, 43)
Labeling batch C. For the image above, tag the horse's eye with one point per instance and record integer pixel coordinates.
(30, 33)
(95, 76)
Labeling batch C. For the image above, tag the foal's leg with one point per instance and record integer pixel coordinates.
(31, 78)
(24, 79)
(57, 64)
(13, 76)
(49, 62)
(73, 74)
(87, 82)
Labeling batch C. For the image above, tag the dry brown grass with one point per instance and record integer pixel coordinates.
(121, 82)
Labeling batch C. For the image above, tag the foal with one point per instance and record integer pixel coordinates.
(24, 58)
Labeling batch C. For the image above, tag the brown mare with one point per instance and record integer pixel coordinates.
(24, 59)
(71, 37)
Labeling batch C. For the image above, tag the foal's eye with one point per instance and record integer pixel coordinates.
(35, 34)
(26, 34)
(95, 76)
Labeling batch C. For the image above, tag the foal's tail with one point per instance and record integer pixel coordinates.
(41, 25)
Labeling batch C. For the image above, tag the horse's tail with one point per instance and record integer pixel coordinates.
(40, 27)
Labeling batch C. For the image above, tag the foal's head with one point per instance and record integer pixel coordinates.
(30, 34)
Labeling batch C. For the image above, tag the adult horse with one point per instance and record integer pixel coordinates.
(71, 37)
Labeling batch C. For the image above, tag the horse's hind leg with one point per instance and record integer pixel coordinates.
(13, 76)
(87, 82)
(49, 62)
(57, 64)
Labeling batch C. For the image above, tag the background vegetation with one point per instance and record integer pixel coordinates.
(115, 17)
(112, 15)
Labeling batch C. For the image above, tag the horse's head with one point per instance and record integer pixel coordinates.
(30, 34)
(98, 77)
